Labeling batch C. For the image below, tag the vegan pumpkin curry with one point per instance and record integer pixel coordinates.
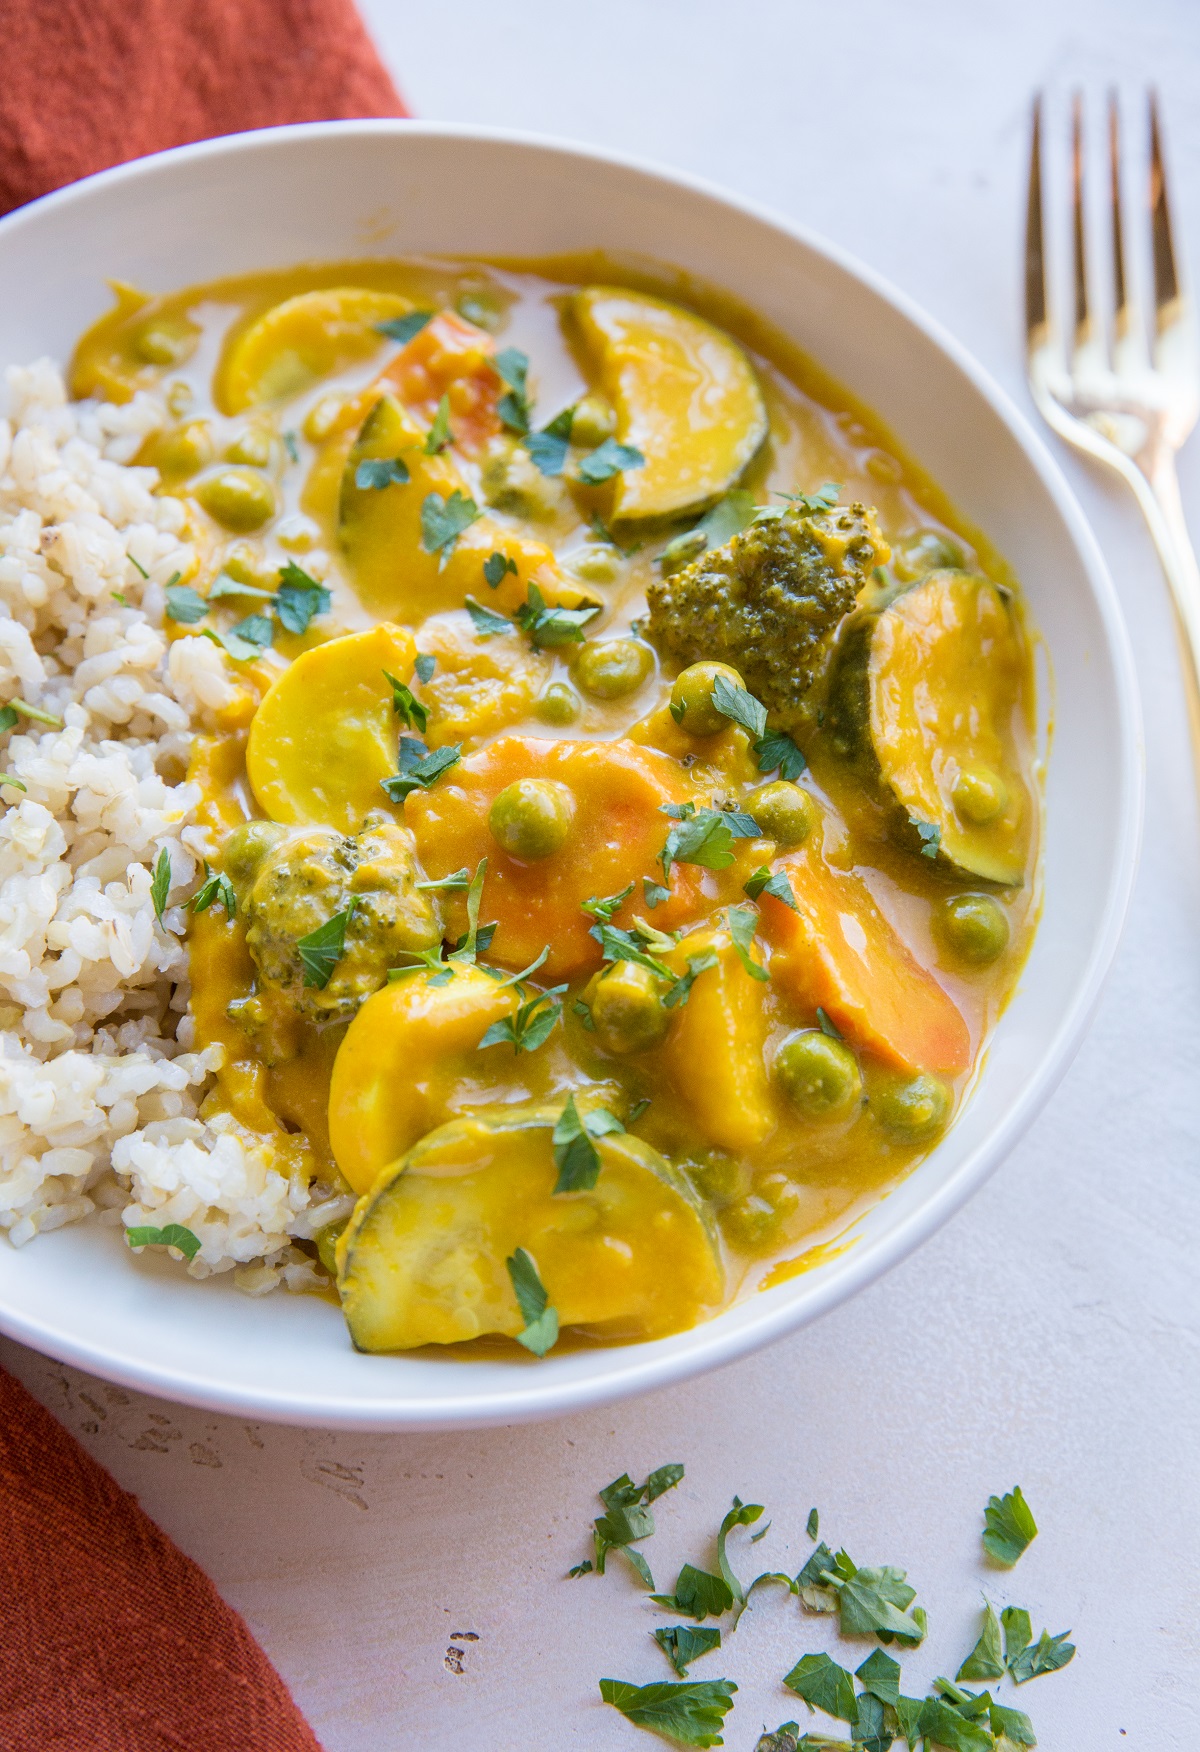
(623, 823)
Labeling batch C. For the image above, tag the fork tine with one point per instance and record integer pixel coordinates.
(1166, 279)
(1037, 325)
(1120, 290)
(1078, 240)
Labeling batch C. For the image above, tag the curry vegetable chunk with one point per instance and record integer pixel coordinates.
(616, 784)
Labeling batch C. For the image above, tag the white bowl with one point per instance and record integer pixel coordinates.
(343, 190)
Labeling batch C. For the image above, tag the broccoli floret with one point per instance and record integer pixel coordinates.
(768, 601)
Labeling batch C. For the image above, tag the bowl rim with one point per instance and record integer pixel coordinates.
(638, 1369)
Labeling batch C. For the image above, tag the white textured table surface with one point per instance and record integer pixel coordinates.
(1051, 1334)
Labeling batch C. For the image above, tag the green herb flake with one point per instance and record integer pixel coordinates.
(1009, 1527)
(548, 452)
(586, 1568)
(419, 768)
(443, 520)
(184, 605)
(119, 596)
(407, 708)
(8, 717)
(548, 627)
(36, 715)
(684, 1643)
(11, 779)
(740, 1515)
(681, 991)
(880, 1676)
(986, 1659)
(947, 1727)
(487, 625)
(813, 1524)
(541, 1320)
(739, 705)
(322, 949)
(575, 1154)
(299, 598)
(291, 445)
(608, 459)
(655, 893)
(160, 883)
(138, 567)
(875, 1601)
(1011, 1724)
(776, 751)
(439, 436)
(457, 882)
(174, 1235)
(215, 888)
(743, 922)
(691, 1711)
(1047, 1655)
(1018, 1633)
(249, 638)
(823, 1685)
(530, 1026)
(403, 328)
(663, 1478)
(223, 587)
(424, 666)
(635, 1113)
(762, 881)
(514, 408)
(496, 568)
(376, 473)
(828, 1027)
(930, 836)
(786, 1738)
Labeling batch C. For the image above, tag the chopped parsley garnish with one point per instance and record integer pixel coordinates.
(627, 1516)
(322, 949)
(514, 408)
(691, 1711)
(424, 666)
(603, 910)
(496, 568)
(250, 637)
(8, 717)
(215, 887)
(173, 1235)
(946, 1726)
(813, 1525)
(439, 436)
(681, 991)
(487, 624)
(739, 705)
(703, 836)
(375, 473)
(930, 836)
(1047, 1655)
(823, 1685)
(1011, 1724)
(548, 626)
(777, 750)
(16, 783)
(548, 448)
(403, 328)
(743, 922)
(637, 1110)
(291, 446)
(530, 1026)
(1018, 1632)
(36, 715)
(541, 1320)
(684, 1643)
(455, 883)
(223, 587)
(299, 598)
(808, 504)
(1009, 1527)
(419, 768)
(443, 520)
(986, 1659)
(828, 1027)
(880, 1676)
(762, 881)
(740, 1515)
(184, 605)
(405, 706)
(870, 1602)
(618, 945)
(575, 1154)
(698, 1593)
(138, 567)
(655, 893)
(608, 459)
(582, 1569)
(119, 596)
(160, 883)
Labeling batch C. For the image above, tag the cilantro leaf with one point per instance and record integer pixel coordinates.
(249, 638)
(477, 937)
(174, 1235)
(541, 1320)
(405, 706)
(776, 749)
(604, 909)
(661, 1480)
(530, 1026)
(216, 888)
(823, 1685)
(299, 598)
(575, 1155)
(444, 520)
(743, 922)
(514, 408)
(1012, 1724)
(455, 883)
(871, 1733)
(1008, 1525)
(1047, 1655)
(403, 328)
(703, 837)
(1018, 1633)
(487, 625)
(813, 1525)
(655, 893)
(985, 1660)
(618, 945)
(874, 1601)
(375, 473)
(931, 838)
(553, 626)
(424, 666)
(880, 1675)
(828, 1027)
(740, 705)
(681, 991)
(496, 568)
(184, 604)
(761, 881)
(418, 767)
(439, 436)
(740, 1515)
(684, 1643)
(608, 459)
(548, 452)
(322, 949)
(698, 1593)
(813, 504)
(160, 882)
(692, 1711)
(586, 1568)
(946, 1726)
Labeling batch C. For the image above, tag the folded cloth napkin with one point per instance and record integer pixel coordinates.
(89, 83)
(113, 1640)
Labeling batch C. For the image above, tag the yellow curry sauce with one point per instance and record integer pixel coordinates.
(623, 839)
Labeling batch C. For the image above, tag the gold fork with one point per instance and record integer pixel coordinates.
(1128, 406)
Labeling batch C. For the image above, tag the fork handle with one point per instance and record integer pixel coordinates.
(1157, 491)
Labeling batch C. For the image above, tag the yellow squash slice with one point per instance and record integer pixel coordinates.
(296, 343)
(714, 1053)
(422, 1260)
(326, 735)
(407, 1049)
(944, 691)
(686, 396)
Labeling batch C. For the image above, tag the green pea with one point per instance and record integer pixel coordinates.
(532, 817)
(592, 422)
(785, 813)
(719, 1178)
(927, 552)
(185, 451)
(628, 1013)
(974, 927)
(164, 340)
(750, 1223)
(691, 698)
(817, 1073)
(613, 668)
(246, 848)
(596, 565)
(912, 1108)
(979, 793)
(239, 498)
(327, 1240)
(253, 446)
(558, 703)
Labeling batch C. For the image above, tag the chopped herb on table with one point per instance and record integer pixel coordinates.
(691, 1712)
(1009, 1527)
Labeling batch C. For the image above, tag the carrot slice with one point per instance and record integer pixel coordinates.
(453, 358)
(839, 953)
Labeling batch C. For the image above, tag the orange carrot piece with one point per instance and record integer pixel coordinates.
(453, 358)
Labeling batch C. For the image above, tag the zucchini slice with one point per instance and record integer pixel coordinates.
(293, 344)
(686, 396)
(422, 1260)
